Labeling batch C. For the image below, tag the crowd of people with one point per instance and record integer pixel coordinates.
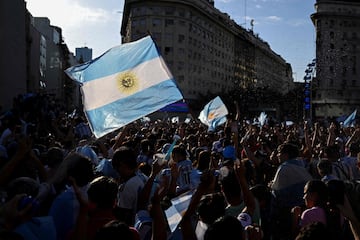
(245, 180)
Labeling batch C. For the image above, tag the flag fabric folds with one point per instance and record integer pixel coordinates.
(124, 84)
(350, 120)
(214, 114)
(262, 118)
(177, 209)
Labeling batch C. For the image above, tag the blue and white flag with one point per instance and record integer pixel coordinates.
(177, 209)
(124, 84)
(262, 118)
(214, 114)
(350, 120)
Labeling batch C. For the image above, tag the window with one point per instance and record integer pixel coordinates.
(169, 36)
(169, 10)
(168, 50)
(181, 38)
(134, 23)
(156, 10)
(344, 71)
(169, 22)
(143, 22)
(156, 22)
(181, 12)
(180, 78)
(354, 36)
(156, 36)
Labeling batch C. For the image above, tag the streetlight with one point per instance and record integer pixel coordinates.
(310, 72)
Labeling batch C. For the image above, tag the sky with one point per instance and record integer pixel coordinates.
(284, 24)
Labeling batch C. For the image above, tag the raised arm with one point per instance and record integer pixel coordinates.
(206, 185)
(120, 137)
(331, 136)
(249, 198)
(353, 138)
(307, 138)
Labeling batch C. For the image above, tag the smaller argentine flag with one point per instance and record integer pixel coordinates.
(214, 114)
(350, 120)
(124, 84)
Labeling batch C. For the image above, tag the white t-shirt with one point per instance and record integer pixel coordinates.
(128, 193)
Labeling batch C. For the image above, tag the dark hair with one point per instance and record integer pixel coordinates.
(102, 191)
(313, 231)
(54, 156)
(290, 149)
(179, 149)
(227, 227)
(319, 187)
(324, 167)
(80, 168)
(230, 186)
(21, 185)
(332, 152)
(211, 207)
(124, 155)
(203, 160)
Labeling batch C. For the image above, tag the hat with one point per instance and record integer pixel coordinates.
(229, 152)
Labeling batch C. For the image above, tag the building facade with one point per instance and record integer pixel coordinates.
(207, 52)
(33, 57)
(337, 83)
(13, 48)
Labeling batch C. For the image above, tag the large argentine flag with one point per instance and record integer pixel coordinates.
(214, 114)
(124, 84)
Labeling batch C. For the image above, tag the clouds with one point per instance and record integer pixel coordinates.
(67, 13)
(82, 24)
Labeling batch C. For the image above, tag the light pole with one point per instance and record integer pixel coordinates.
(308, 78)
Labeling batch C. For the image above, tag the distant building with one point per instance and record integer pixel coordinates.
(13, 57)
(337, 84)
(207, 52)
(54, 55)
(83, 54)
(33, 56)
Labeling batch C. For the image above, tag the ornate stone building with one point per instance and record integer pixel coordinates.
(207, 52)
(337, 83)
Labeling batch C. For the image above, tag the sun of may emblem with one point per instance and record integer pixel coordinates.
(211, 115)
(127, 82)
